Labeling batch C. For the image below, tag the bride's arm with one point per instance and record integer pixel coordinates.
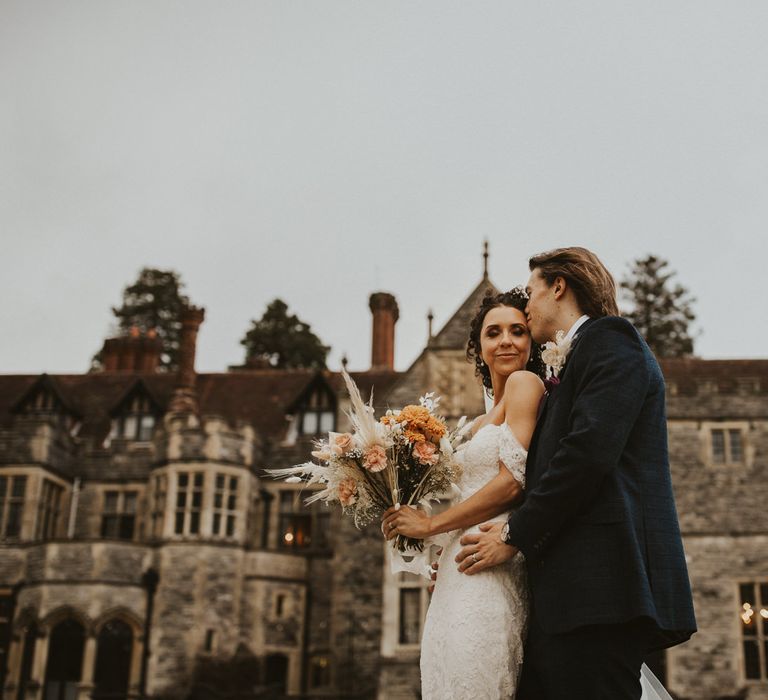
(522, 394)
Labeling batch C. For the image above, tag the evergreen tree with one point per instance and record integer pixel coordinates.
(154, 300)
(661, 309)
(283, 340)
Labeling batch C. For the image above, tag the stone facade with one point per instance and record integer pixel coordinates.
(145, 520)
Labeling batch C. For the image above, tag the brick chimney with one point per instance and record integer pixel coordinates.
(132, 352)
(184, 398)
(385, 315)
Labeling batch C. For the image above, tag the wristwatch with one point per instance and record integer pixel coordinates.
(504, 534)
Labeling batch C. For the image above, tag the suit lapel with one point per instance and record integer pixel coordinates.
(574, 343)
(542, 410)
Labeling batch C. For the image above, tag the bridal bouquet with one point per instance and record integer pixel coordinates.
(406, 457)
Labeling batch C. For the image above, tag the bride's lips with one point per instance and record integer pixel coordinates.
(506, 355)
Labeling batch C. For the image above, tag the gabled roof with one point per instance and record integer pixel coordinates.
(45, 382)
(139, 387)
(454, 334)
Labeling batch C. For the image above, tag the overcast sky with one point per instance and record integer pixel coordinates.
(320, 151)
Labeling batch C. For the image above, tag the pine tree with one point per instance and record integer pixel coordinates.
(661, 308)
(283, 340)
(154, 300)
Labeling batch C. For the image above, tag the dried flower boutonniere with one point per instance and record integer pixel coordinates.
(555, 353)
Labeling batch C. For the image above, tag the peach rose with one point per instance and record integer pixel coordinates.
(426, 453)
(342, 443)
(375, 458)
(347, 492)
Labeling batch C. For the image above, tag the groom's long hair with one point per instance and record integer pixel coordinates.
(593, 285)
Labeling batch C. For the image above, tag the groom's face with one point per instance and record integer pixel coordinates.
(541, 308)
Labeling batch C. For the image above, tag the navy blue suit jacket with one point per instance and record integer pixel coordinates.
(598, 524)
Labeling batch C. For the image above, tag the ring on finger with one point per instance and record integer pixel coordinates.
(475, 557)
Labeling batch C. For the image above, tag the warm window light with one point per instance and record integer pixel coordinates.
(746, 616)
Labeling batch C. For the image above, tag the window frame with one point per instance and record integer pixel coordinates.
(159, 496)
(135, 410)
(120, 514)
(227, 511)
(188, 510)
(319, 404)
(10, 501)
(761, 631)
(727, 429)
(316, 516)
(49, 510)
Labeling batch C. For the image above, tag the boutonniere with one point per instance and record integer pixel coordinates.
(554, 354)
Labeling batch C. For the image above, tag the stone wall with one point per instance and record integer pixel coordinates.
(356, 617)
(709, 666)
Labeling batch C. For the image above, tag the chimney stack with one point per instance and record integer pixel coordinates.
(184, 398)
(132, 352)
(385, 315)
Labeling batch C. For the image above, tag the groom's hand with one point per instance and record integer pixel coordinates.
(480, 552)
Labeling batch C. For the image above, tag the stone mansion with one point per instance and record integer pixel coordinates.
(143, 552)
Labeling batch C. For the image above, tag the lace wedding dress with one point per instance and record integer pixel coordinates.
(472, 647)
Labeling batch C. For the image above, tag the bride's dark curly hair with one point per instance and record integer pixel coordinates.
(517, 299)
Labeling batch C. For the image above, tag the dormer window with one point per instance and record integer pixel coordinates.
(136, 421)
(317, 413)
(44, 400)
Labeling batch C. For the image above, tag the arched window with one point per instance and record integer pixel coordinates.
(65, 661)
(113, 661)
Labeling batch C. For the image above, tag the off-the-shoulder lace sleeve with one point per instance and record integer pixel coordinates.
(512, 454)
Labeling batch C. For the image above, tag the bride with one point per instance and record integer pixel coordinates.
(472, 645)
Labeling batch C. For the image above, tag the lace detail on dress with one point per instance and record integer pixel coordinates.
(472, 646)
(512, 453)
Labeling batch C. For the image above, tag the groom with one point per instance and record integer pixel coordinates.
(598, 526)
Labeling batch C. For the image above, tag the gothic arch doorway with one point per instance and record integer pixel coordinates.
(65, 661)
(113, 661)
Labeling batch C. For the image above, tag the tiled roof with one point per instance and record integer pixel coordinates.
(258, 397)
(687, 373)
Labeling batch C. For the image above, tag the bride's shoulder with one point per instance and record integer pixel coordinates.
(524, 381)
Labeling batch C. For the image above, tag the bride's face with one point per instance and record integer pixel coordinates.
(505, 341)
